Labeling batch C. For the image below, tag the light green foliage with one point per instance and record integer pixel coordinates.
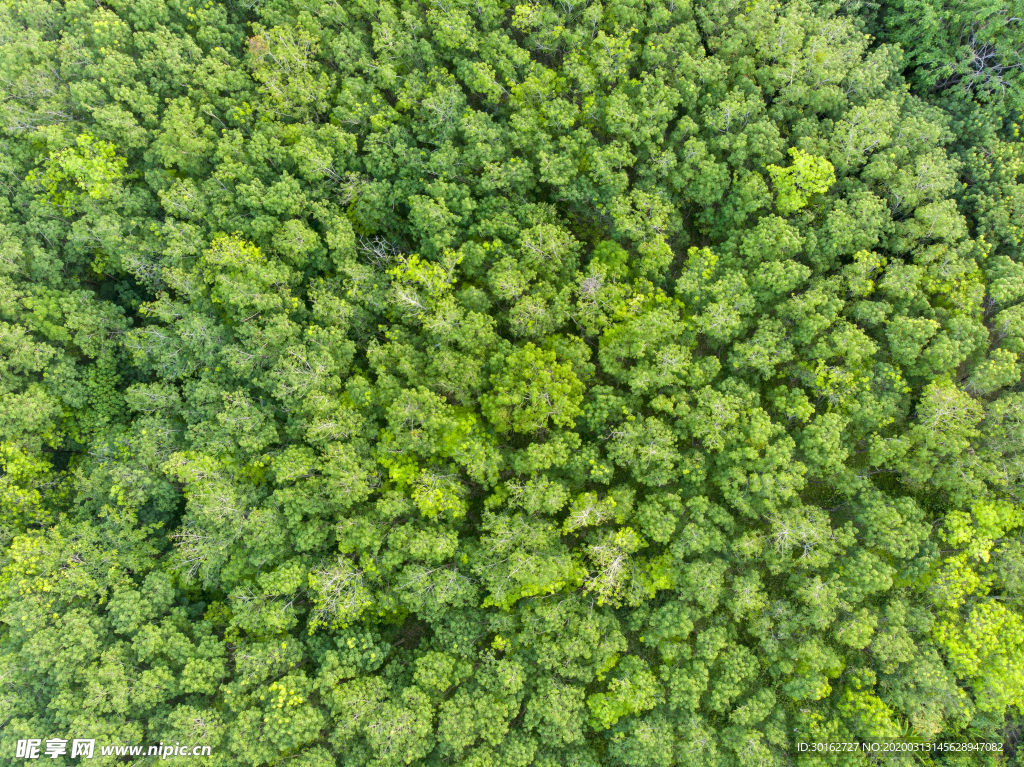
(797, 184)
(91, 168)
(492, 385)
(631, 690)
(532, 390)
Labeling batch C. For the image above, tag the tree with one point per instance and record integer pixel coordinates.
(797, 184)
(533, 388)
(460, 384)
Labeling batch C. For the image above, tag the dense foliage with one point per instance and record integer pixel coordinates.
(625, 382)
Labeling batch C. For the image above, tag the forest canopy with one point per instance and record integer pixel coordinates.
(573, 384)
